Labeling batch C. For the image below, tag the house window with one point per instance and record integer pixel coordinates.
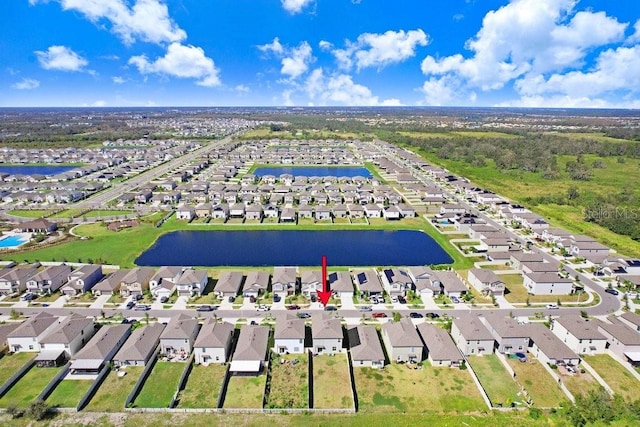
(30, 347)
(362, 362)
(334, 349)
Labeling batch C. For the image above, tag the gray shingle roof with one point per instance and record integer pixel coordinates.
(439, 343)
(580, 328)
(548, 343)
(252, 343)
(67, 329)
(214, 334)
(103, 342)
(289, 328)
(141, 343)
(180, 327)
(472, 328)
(365, 344)
(340, 281)
(402, 333)
(229, 281)
(34, 326)
(323, 327)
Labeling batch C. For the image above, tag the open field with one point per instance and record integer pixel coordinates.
(615, 375)
(68, 393)
(245, 392)
(495, 379)
(29, 387)
(203, 387)
(30, 213)
(331, 382)
(454, 134)
(400, 389)
(580, 383)
(289, 382)
(540, 386)
(10, 363)
(160, 386)
(114, 390)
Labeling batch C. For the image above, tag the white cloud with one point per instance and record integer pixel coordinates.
(294, 61)
(440, 91)
(183, 62)
(295, 6)
(635, 37)
(379, 50)
(99, 103)
(243, 88)
(146, 20)
(118, 80)
(60, 58)
(26, 84)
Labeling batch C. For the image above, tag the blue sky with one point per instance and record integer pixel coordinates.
(533, 53)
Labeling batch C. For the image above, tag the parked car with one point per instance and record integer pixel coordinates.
(304, 315)
(378, 315)
(415, 315)
(632, 295)
(276, 298)
(130, 305)
(263, 307)
(164, 299)
(612, 291)
(394, 298)
(455, 300)
(402, 300)
(232, 299)
(314, 298)
(252, 299)
(366, 308)
(142, 307)
(293, 307)
(205, 307)
(137, 297)
(29, 296)
(552, 306)
(432, 315)
(331, 308)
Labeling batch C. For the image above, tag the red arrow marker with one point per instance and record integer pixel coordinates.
(325, 294)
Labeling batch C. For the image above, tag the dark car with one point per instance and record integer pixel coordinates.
(205, 307)
(252, 299)
(378, 315)
(293, 307)
(433, 315)
(164, 299)
(232, 299)
(402, 300)
(314, 298)
(331, 308)
(276, 298)
(612, 291)
(415, 315)
(137, 297)
(304, 315)
(130, 305)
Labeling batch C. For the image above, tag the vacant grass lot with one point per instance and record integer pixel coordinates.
(29, 387)
(400, 389)
(579, 383)
(160, 386)
(68, 393)
(203, 387)
(114, 390)
(289, 382)
(245, 392)
(495, 379)
(615, 375)
(541, 387)
(331, 382)
(10, 363)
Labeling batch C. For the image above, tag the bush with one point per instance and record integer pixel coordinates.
(14, 411)
(37, 410)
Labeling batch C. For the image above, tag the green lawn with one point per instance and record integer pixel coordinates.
(615, 375)
(400, 389)
(495, 379)
(331, 382)
(540, 386)
(245, 392)
(10, 363)
(289, 382)
(68, 393)
(114, 390)
(203, 387)
(30, 213)
(160, 386)
(579, 383)
(29, 387)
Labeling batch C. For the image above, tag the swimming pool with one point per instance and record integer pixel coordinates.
(12, 241)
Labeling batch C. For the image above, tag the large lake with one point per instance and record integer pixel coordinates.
(39, 170)
(336, 171)
(302, 248)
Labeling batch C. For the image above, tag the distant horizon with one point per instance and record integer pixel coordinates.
(484, 54)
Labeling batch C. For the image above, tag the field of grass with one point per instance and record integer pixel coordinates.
(203, 387)
(331, 382)
(114, 390)
(10, 363)
(400, 389)
(68, 393)
(540, 386)
(495, 379)
(615, 375)
(160, 386)
(30, 213)
(289, 382)
(245, 392)
(580, 383)
(29, 387)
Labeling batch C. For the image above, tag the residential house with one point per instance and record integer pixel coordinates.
(366, 349)
(396, 281)
(250, 355)
(547, 284)
(163, 282)
(284, 280)
(136, 281)
(440, 348)
(99, 351)
(486, 281)
(140, 347)
(186, 212)
(372, 211)
(229, 284)
(289, 335)
(630, 319)
(192, 282)
(580, 335)
(510, 336)
(82, 279)
(256, 283)
(519, 258)
(220, 211)
(213, 344)
(471, 335)
(110, 284)
(368, 282)
(402, 341)
(27, 336)
(623, 341)
(14, 280)
(254, 212)
(64, 340)
(177, 339)
(41, 225)
(425, 282)
(327, 334)
(311, 282)
(49, 280)
(450, 282)
(341, 285)
(548, 348)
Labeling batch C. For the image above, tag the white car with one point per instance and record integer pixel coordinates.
(552, 306)
(263, 307)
